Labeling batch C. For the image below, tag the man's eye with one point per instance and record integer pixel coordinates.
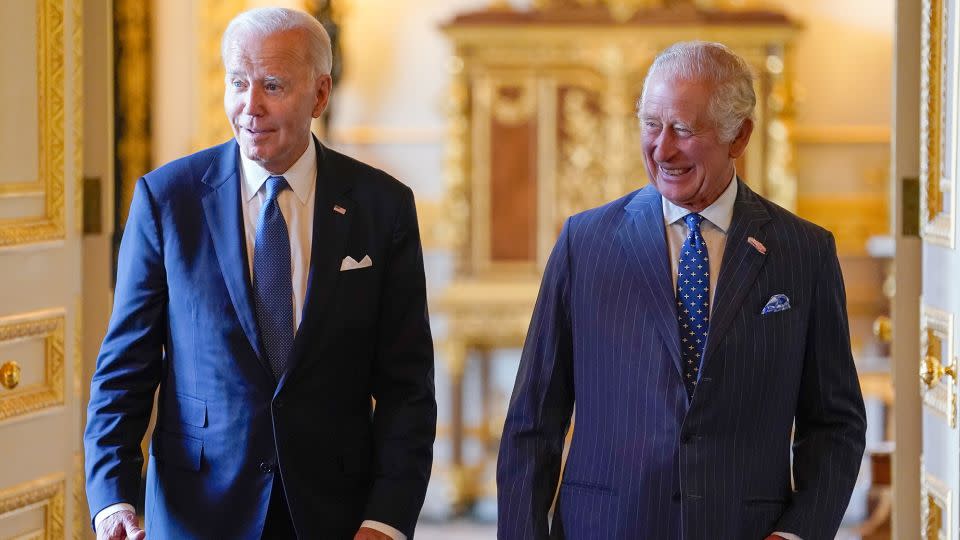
(651, 125)
(272, 87)
(236, 84)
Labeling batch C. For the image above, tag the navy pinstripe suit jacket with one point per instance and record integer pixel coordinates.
(645, 462)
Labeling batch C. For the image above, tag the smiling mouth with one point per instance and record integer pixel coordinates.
(674, 171)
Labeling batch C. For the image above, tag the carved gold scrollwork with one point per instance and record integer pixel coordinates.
(781, 185)
(580, 173)
(455, 227)
(50, 85)
(937, 177)
(514, 102)
(935, 500)
(620, 10)
(936, 354)
(49, 326)
(47, 492)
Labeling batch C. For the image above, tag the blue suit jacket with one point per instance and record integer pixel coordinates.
(646, 463)
(183, 321)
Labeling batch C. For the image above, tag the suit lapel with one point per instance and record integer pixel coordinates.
(327, 249)
(224, 217)
(642, 234)
(740, 266)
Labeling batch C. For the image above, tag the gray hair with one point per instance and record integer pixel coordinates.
(732, 100)
(262, 22)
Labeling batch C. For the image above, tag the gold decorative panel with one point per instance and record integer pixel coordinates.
(50, 184)
(47, 326)
(554, 117)
(939, 388)
(131, 20)
(936, 521)
(78, 114)
(852, 218)
(214, 16)
(938, 163)
(47, 494)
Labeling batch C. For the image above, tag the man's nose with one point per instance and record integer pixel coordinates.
(253, 102)
(664, 146)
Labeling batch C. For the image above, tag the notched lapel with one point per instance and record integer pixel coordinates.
(224, 217)
(741, 265)
(643, 235)
(332, 214)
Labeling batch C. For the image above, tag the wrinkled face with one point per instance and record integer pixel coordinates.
(685, 159)
(271, 96)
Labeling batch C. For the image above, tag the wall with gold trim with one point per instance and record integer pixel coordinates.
(49, 186)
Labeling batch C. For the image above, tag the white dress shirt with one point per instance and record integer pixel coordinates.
(714, 227)
(296, 204)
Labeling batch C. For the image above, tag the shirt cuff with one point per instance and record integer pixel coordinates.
(788, 536)
(393, 533)
(109, 511)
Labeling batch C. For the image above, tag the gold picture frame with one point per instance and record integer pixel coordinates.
(52, 126)
(938, 98)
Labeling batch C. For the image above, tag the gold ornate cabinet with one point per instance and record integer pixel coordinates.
(542, 125)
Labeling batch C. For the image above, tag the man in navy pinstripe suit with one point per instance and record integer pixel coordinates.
(700, 332)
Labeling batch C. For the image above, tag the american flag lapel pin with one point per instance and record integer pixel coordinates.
(757, 245)
(339, 209)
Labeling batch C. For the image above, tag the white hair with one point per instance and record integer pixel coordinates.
(262, 22)
(732, 100)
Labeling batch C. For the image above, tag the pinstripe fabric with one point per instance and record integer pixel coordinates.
(644, 462)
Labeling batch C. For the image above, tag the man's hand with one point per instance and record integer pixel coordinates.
(120, 526)
(366, 533)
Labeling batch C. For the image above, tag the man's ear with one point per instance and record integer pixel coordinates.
(739, 143)
(323, 87)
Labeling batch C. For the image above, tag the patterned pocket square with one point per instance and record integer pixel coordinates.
(349, 263)
(777, 303)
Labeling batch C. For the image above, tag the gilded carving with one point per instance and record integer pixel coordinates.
(936, 340)
(620, 10)
(781, 180)
(78, 349)
(132, 23)
(938, 182)
(47, 492)
(935, 500)
(49, 326)
(50, 74)
(455, 228)
(514, 102)
(80, 523)
(78, 115)
(581, 171)
(214, 16)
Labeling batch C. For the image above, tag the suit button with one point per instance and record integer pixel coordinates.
(265, 467)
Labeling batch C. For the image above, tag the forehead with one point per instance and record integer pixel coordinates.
(674, 96)
(280, 51)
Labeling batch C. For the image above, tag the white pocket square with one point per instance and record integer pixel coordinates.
(350, 264)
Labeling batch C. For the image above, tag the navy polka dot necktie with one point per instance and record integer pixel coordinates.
(693, 301)
(272, 283)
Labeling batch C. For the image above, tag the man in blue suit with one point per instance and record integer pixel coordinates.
(700, 332)
(269, 290)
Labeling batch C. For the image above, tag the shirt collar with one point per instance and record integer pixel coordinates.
(301, 176)
(719, 213)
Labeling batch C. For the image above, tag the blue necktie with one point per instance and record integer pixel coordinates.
(272, 283)
(693, 301)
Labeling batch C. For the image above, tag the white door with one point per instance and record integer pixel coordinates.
(40, 268)
(940, 289)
